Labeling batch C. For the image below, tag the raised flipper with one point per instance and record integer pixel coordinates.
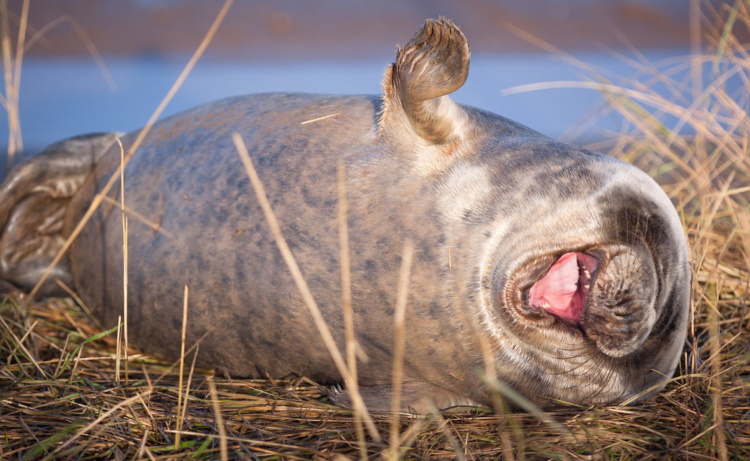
(432, 65)
(416, 397)
(33, 200)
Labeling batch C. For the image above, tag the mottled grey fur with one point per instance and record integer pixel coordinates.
(490, 205)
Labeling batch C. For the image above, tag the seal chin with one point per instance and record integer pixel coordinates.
(603, 295)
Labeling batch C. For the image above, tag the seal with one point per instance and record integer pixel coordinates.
(571, 265)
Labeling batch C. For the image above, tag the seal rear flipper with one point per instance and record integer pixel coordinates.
(416, 397)
(33, 201)
(432, 65)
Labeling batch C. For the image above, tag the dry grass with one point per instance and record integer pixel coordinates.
(12, 59)
(60, 396)
(54, 391)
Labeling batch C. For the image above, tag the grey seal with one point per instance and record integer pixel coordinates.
(573, 264)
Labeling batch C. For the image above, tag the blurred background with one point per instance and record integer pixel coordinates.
(104, 65)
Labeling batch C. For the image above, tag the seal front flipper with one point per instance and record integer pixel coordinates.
(33, 201)
(416, 397)
(417, 110)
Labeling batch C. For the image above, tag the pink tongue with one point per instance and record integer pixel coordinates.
(564, 289)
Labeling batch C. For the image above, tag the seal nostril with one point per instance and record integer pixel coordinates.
(623, 301)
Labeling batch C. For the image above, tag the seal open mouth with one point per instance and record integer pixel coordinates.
(563, 290)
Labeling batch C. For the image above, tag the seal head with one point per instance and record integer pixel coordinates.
(601, 303)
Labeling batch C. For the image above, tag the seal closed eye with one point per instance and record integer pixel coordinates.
(573, 264)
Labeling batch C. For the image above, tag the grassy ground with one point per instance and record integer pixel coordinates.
(65, 391)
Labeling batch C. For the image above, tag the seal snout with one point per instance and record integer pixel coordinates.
(564, 288)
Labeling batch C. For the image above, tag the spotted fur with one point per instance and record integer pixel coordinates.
(489, 204)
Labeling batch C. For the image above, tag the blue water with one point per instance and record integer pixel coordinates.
(62, 98)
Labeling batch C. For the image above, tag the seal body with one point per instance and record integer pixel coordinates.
(562, 269)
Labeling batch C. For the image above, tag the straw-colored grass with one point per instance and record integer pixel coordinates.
(39, 412)
(12, 59)
(60, 396)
